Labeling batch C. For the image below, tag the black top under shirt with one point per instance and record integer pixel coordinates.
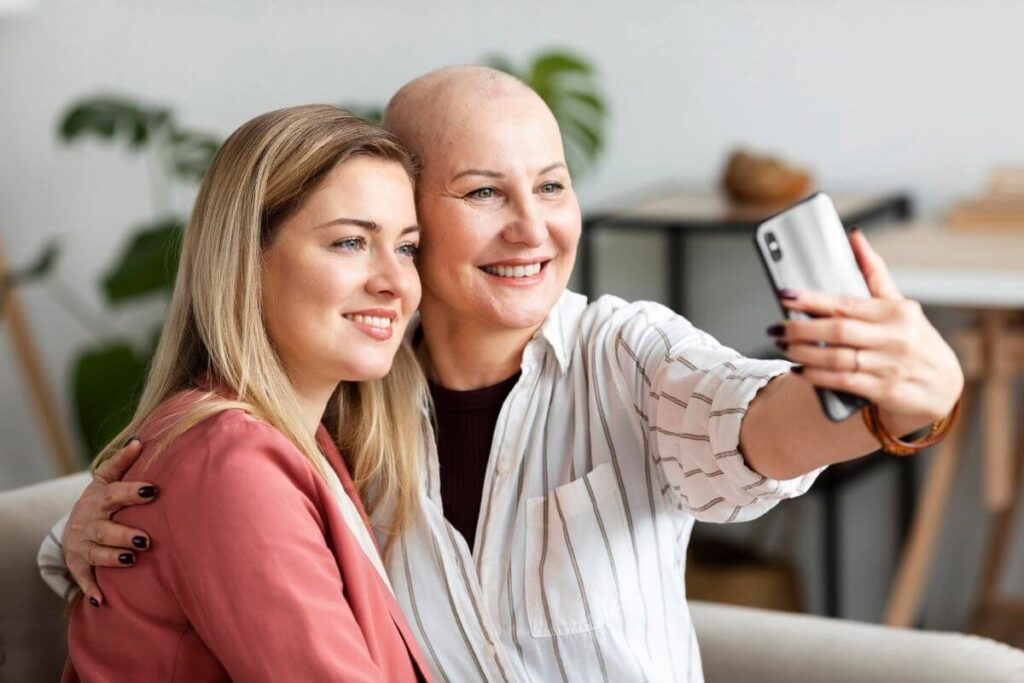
(465, 430)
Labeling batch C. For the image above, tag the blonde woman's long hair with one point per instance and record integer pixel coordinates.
(215, 335)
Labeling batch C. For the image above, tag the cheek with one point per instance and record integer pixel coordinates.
(303, 290)
(454, 247)
(566, 230)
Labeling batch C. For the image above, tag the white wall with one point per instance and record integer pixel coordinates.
(917, 94)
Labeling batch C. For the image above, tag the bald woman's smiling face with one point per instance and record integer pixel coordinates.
(500, 219)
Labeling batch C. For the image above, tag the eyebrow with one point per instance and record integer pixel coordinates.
(370, 226)
(487, 173)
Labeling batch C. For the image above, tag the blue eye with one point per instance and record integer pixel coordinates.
(482, 193)
(350, 243)
(549, 188)
(411, 250)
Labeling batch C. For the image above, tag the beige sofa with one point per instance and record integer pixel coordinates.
(738, 644)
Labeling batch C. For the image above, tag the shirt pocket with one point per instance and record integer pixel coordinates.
(577, 556)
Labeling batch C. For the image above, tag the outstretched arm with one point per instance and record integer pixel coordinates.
(882, 348)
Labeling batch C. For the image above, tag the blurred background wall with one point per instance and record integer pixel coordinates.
(872, 95)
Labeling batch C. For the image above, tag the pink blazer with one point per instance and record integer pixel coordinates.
(253, 574)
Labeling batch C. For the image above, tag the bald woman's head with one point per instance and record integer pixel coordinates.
(495, 199)
(428, 110)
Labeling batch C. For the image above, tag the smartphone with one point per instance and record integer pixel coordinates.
(805, 247)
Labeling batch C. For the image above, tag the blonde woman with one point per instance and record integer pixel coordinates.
(296, 283)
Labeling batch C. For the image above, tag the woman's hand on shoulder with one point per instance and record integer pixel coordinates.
(91, 539)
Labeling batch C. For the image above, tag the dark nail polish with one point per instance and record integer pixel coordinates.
(128, 441)
(781, 344)
(126, 558)
(788, 294)
(147, 491)
(94, 602)
(776, 330)
(140, 542)
(798, 369)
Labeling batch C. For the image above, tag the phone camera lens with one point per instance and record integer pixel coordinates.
(773, 246)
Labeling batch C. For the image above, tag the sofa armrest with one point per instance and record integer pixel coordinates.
(32, 643)
(740, 644)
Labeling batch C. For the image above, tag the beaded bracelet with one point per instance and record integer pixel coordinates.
(895, 445)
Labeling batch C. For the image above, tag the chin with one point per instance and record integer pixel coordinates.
(369, 368)
(515, 316)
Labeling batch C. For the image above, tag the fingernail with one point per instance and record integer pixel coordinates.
(781, 344)
(126, 558)
(856, 228)
(147, 491)
(776, 330)
(798, 369)
(94, 602)
(129, 440)
(140, 542)
(788, 294)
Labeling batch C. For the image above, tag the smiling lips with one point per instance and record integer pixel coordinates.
(515, 271)
(377, 323)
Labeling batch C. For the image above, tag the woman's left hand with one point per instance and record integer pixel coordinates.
(882, 348)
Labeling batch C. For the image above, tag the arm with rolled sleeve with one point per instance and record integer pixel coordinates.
(692, 394)
(251, 566)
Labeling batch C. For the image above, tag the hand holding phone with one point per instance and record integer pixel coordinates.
(805, 247)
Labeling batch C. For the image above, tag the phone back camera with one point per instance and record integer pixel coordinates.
(774, 249)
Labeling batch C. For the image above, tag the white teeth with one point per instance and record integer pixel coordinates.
(370, 320)
(513, 271)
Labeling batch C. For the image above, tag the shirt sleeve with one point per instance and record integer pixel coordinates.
(50, 561)
(691, 393)
(251, 565)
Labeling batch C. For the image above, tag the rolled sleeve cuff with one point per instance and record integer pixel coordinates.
(757, 493)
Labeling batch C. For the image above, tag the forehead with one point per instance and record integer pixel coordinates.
(363, 187)
(512, 134)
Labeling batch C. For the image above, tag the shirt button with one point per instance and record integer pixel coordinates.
(489, 650)
(503, 465)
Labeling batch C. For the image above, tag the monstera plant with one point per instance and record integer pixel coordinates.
(108, 376)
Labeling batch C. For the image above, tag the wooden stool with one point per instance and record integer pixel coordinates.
(992, 356)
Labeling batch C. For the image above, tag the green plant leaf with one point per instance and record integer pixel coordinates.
(112, 117)
(587, 136)
(38, 269)
(591, 101)
(567, 83)
(192, 152)
(106, 383)
(149, 264)
(371, 112)
(557, 63)
(502, 63)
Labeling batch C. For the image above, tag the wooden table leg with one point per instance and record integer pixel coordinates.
(31, 367)
(1000, 374)
(995, 554)
(919, 551)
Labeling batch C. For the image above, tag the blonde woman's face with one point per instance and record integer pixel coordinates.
(339, 277)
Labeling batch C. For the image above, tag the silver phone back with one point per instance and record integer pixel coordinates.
(812, 252)
(816, 253)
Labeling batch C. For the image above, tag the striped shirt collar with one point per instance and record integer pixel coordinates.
(555, 332)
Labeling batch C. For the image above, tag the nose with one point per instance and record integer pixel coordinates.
(527, 226)
(390, 277)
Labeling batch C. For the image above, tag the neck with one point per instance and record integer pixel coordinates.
(313, 395)
(464, 357)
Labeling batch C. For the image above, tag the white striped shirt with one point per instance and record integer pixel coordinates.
(622, 430)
